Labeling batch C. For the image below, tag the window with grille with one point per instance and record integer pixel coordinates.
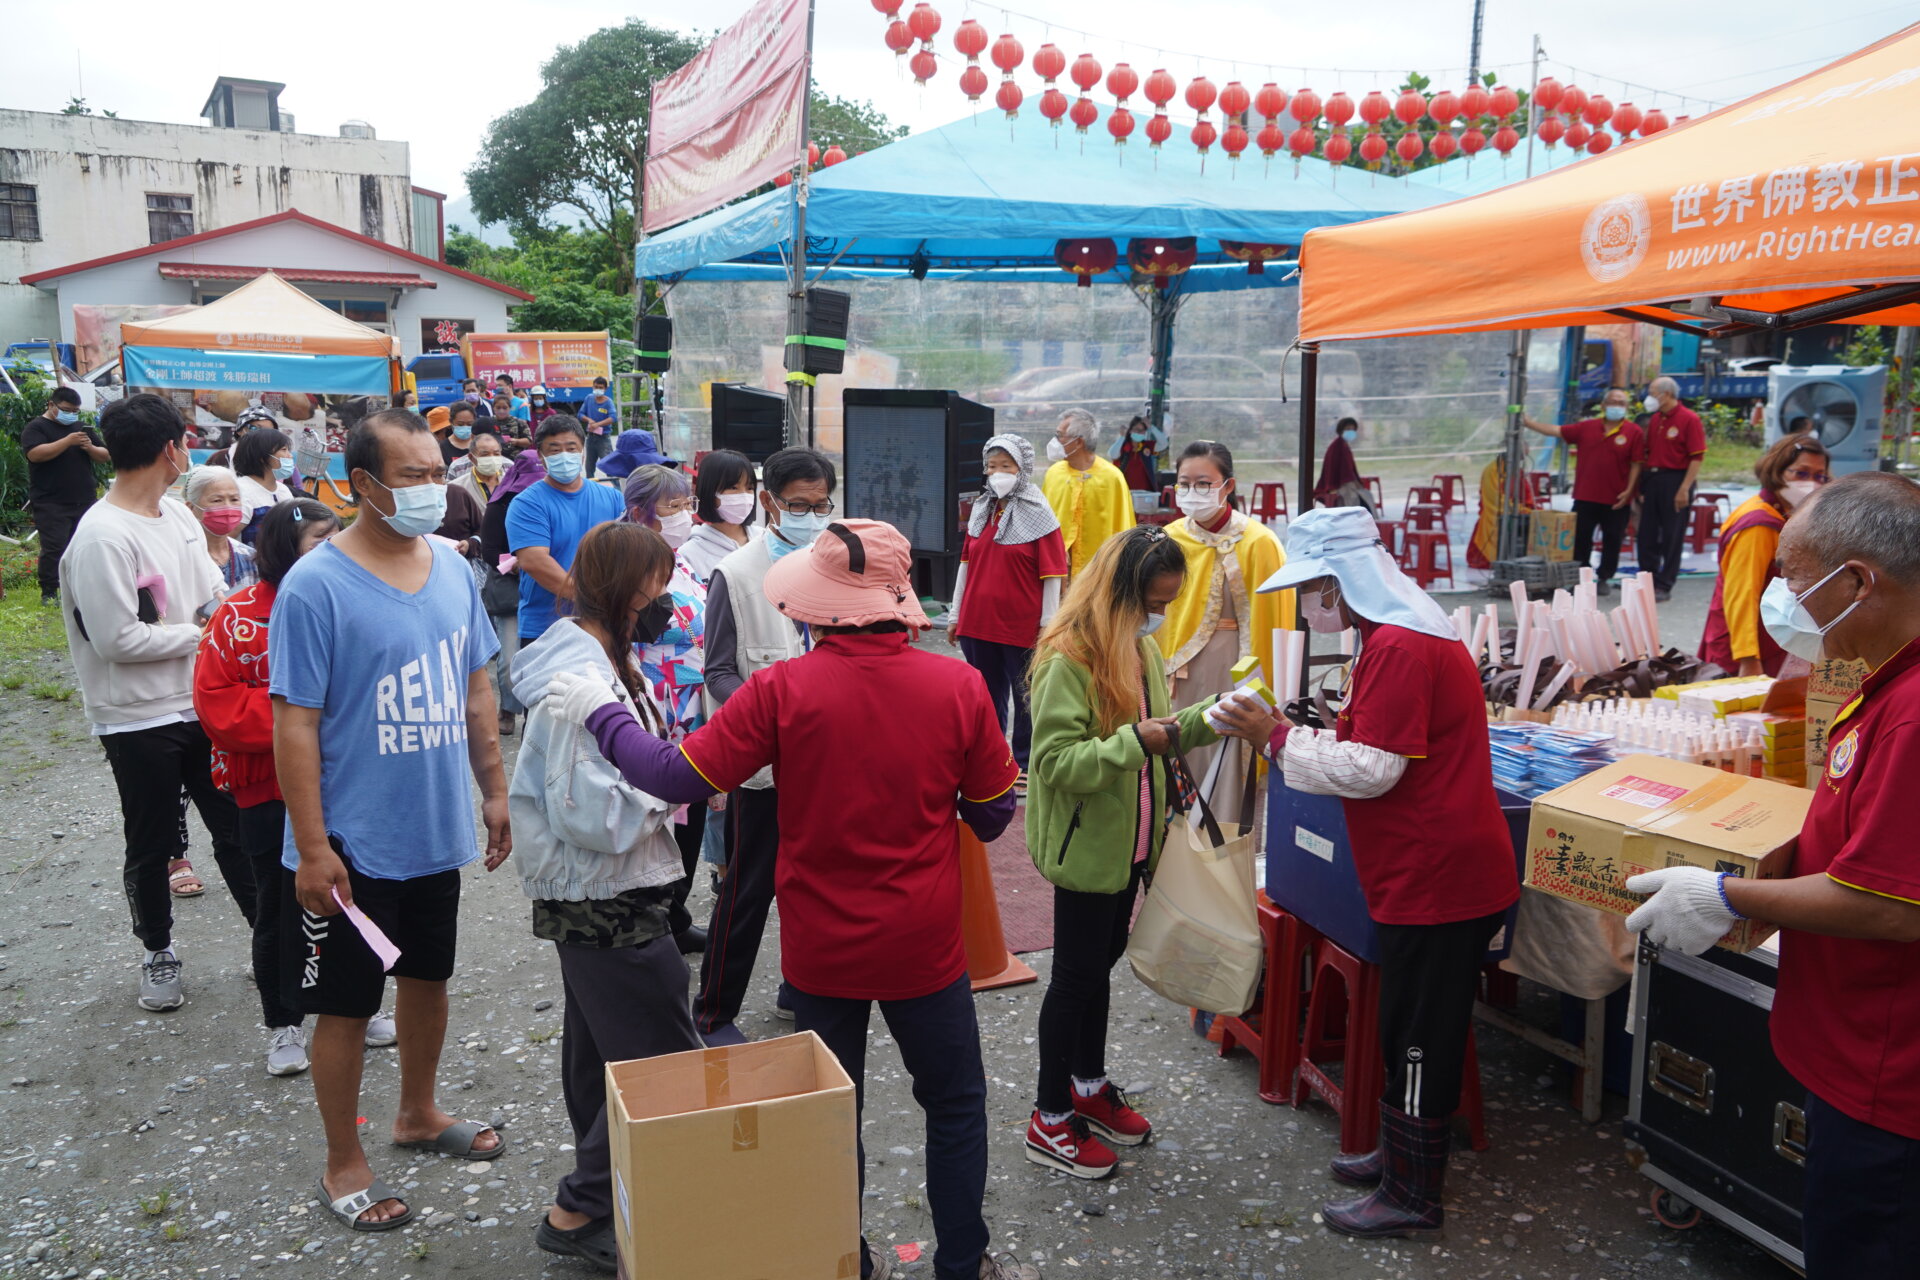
(19, 212)
(168, 217)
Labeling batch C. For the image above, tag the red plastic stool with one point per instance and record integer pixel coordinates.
(1422, 495)
(1393, 535)
(1425, 516)
(1372, 485)
(1275, 1042)
(1269, 501)
(1705, 524)
(1453, 491)
(1428, 557)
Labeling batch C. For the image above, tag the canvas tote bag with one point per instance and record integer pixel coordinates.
(1197, 940)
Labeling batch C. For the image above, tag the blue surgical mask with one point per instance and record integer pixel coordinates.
(418, 509)
(283, 470)
(1349, 435)
(463, 433)
(1790, 624)
(65, 418)
(1615, 412)
(795, 532)
(564, 468)
(1152, 623)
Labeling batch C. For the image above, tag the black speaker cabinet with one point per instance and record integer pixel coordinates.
(909, 456)
(748, 420)
(656, 345)
(823, 348)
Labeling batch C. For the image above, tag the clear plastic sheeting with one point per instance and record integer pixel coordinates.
(1033, 350)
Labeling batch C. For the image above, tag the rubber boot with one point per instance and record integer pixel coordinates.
(1361, 1171)
(1408, 1201)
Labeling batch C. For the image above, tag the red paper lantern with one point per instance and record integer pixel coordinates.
(813, 154)
(1049, 62)
(1086, 72)
(1599, 110)
(1551, 130)
(1301, 141)
(1373, 147)
(1255, 255)
(1122, 81)
(1086, 259)
(1162, 259)
(1234, 140)
(1503, 101)
(833, 156)
(1444, 107)
(1083, 114)
(1600, 141)
(784, 178)
(1160, 88)
(1339, 147)
(1546, 94)
(1339, 110)
(1444, 145)
(1234, 99)
(1271, 101)
(924, 66)
(1158, 130)
(1474, 101)
(1272, 140)
(1410, 147)
(924, 22)
(887, 9)
(1655, 122)
(1120, 125)
(1200, 94)
(1578, 135)
(1304, 106)
(1573, 100)
(1204, 135)
(1053, 105)
(1008, 54)
(1410, 107)
(899, 39)
(970, 38)
(1505, 139)
(1374, 108)
(1471, 142)
(1626, 118)
(973, 83)
(1008, 97)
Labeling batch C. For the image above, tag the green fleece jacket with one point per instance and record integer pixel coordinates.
(1083, 790)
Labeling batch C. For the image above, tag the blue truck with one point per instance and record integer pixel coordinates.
(1603, 367)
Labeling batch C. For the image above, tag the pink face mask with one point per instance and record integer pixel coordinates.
(224, 521)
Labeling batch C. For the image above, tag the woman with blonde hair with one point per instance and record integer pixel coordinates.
(1097, 798)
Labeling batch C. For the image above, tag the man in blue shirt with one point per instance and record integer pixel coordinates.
(545, 523)
(378, 651)
(601, 416)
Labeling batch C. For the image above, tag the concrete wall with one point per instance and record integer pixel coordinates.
(93, 176)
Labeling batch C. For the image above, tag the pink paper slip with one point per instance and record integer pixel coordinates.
(381, 944)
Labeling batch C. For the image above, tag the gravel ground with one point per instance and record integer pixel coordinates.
(153, 1145)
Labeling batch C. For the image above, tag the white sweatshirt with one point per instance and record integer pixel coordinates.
(133, 674)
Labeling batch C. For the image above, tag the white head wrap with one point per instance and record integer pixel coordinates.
(1028, 517)
(1344, 543)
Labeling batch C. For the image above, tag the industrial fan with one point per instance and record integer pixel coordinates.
(1839, 405)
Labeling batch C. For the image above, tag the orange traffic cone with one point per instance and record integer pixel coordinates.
(989, 963)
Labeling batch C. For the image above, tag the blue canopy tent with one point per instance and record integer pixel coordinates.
(988, 199)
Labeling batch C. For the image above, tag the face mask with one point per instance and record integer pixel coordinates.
(734, 508)
(1196, 504)
(283, 470)
(65, 418)
(1615, 412)
(1056, 451)
(222, 520)
(463, 433)
(1321, 616)
(1652, 404)
(795, 532)
(1349, 435)
(491, 465)
(653, 621)
(418, 509)
(1151, 623)
(1002, 483)
(473, 397)
(1798, 491)
(1788, 622)
(676, 528)
(1139, 435)
(599, 395)
(564, 468)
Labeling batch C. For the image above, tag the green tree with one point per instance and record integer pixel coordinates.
(856, 126)
(79, 107)
(567, 307)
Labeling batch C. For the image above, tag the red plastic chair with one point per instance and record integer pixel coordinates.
(1453, 491)
(1372, 485)
(1272, 1034)
(1269, 501)
(1720, 500)
(1421, 495)
(1426, 516)
(1393, 536)
(1428, 557)
(1706, 521)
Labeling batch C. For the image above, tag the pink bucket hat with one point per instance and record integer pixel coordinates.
(855, 573)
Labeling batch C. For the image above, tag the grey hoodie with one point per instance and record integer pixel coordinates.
(580, 830)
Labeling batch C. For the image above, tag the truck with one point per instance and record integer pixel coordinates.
(564, 363)
(1625, 356)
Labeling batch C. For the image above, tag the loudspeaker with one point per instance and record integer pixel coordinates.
(823, 348)
(909, 457)
(749, 420)
(656, 345)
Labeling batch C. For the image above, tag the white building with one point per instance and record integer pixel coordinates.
(392, 289)
(76, 188)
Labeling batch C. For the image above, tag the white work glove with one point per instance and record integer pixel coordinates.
(1688, 911)
(573, 698)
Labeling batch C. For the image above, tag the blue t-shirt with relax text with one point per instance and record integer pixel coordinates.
(388, 671)
(543, 516)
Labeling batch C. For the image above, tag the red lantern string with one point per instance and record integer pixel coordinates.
(1204, 135)
(1599, 110)
(1083, 114)
(1626, 119)
(1474, 101)
(1471, 142)
(1410, 146)
(1600, 141)
(833, 156)
(1339, 146)
(1049, 62)
(1122, 81)
(1443, 146)
(1234, 99)
(1234, 141)
(1008, 97)
(1272, 140)
(1305, 106)
(887, 8)
(1656, 122)
(1053, 105)
(1573, 100)
(1551, 130)
(924, 22)
(1086, 72)
(1503, 102)
(1374, 108)
(1339, 110)
(1546, 94)
(1160, 88)
(973, 82)
(1200, 96)
(1008, 54)
(1578, 135)
(1410, 108)
(970, 39)
(1444, 107)
(1505, 139)
(898, 38)
(924, 66)
(1120, 125)
(1373, 147)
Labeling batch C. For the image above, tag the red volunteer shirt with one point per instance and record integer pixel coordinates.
(872, 743)
(1675, 439)
(1435, 849)
(1846, 1016)
(1001, 601)
(1604, 457)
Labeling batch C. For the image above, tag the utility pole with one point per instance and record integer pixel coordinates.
(799, 425)
(1473, 54)
(1533, 86)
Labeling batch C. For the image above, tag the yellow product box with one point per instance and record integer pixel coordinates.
(1835, 680)
(1782, 728)
(1647, 812)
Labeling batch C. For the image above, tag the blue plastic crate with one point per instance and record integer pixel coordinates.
(1310, 871)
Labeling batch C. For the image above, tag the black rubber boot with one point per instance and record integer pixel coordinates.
(1361, 1171)
(1408, 1201)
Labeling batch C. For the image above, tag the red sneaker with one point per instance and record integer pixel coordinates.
(1108, 1115)
(1069, 1147)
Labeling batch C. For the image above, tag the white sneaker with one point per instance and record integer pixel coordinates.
(287, 1052)
(160, 986)
(381, 1031)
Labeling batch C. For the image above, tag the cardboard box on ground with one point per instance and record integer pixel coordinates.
(1831, 685)
(736, 1163)
(1644, 813)
(1550, 535)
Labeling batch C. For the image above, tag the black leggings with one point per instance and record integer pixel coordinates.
(262, 830)
(1089, 937)
(1429, 975)
(687, 837)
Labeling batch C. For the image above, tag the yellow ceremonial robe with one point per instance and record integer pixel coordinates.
(1092, 506)
(1195, 612)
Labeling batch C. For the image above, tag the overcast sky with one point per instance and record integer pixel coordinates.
(433, 75)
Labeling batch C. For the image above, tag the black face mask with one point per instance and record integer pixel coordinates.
(653, 621)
